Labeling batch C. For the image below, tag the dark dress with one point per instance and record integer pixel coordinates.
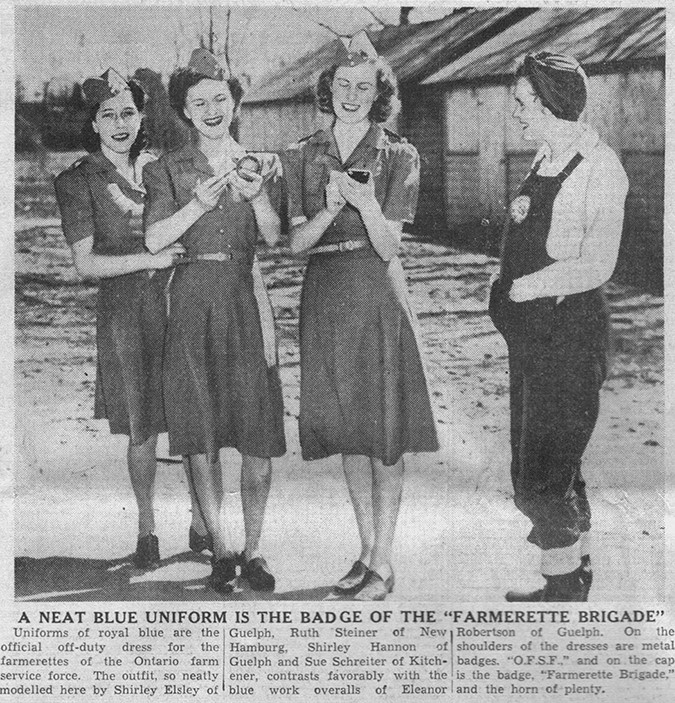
(130, 310)
(557, 364)
(363, 389)
(219, 391)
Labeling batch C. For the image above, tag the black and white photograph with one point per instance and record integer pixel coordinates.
(357, 307)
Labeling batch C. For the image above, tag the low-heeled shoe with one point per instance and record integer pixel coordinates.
(147, 552)
(352, 581)
(258, 574)
(375, 587)
(198, 543)
(223, 574)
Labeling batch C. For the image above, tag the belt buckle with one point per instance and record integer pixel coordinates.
(347, 245)
(222, 256)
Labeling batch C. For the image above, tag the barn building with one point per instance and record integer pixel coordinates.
(455, 76)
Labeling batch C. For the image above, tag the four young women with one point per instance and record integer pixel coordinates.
(351, 188)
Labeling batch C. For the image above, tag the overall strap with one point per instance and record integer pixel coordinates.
(571, 165)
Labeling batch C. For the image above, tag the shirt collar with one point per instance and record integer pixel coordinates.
(585, 143)
(375, 138)
(191, 152)
(98, 163)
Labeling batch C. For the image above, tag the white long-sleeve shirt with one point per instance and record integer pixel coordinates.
(586, 223)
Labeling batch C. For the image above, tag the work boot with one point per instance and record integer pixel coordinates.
(584, 572)
(564, 588)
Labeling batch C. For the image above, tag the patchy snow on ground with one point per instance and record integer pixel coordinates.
(68, 465)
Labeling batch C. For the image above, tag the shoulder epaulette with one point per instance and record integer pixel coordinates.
(77, 163)
(309, 136)
(394, 137)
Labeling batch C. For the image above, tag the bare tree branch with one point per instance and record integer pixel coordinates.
(321, 24)
(227, 39)
(375, 17)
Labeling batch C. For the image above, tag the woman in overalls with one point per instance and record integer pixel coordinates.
(101, 199)
(363, 392)
(219, 389)
(560, 246)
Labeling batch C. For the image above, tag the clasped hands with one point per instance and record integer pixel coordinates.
(208, 192)
(342, 189)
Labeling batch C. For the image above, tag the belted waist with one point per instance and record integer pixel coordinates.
(340, 247)
(222, 256)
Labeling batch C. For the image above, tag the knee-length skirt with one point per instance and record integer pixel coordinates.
(363, 388)
(130, 330)
(219, 391)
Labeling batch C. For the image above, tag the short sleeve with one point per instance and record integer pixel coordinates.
(292, 169)
(404, 183)
(75, 203)
(160, 202)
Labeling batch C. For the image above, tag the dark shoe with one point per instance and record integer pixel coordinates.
(352, 581)
(565, 588)
(375, 587)
(198, 543)
(584, 572)
(223, 575)
(258, 574)
(525, 596)
(147, 552)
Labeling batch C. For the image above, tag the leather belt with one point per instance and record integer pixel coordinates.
(340, 247)
(219, 256)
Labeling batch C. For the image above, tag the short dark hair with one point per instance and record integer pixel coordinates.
(182, 79)
(91, 141)
(386, 103)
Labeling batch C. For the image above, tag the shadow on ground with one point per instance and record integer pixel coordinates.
(58, 579)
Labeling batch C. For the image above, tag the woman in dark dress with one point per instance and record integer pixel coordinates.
(219, 389)
(560, 247)
(101, 198)
(363, 390)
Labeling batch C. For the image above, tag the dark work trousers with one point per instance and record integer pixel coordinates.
(557, 364)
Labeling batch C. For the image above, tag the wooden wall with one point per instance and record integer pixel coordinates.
(486, 158)
(421, 122)
(273, 126)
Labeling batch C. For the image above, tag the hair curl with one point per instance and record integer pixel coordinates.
(182, 79)
(91, 141)
(386, 104)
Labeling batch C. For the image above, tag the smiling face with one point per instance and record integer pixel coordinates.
(534, 118)
(117, 122)
(354, 90)
(210, 108)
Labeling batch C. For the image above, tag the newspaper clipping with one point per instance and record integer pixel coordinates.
(340, 350)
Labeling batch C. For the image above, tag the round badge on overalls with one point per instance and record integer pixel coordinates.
(520, 207)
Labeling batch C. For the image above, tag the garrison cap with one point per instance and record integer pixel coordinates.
(355, 51)
(110, 84)
(203, 62)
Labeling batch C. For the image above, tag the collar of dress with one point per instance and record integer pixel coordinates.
(375, 138)
(191, 152)
(98, 163)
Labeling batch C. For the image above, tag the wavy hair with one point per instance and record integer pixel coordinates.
(182, 79)
(386, 103)
(91, 141)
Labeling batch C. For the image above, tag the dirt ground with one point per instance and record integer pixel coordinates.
(459, 537)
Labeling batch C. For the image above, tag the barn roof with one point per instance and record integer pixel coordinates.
(414, 51)
(594, 36)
